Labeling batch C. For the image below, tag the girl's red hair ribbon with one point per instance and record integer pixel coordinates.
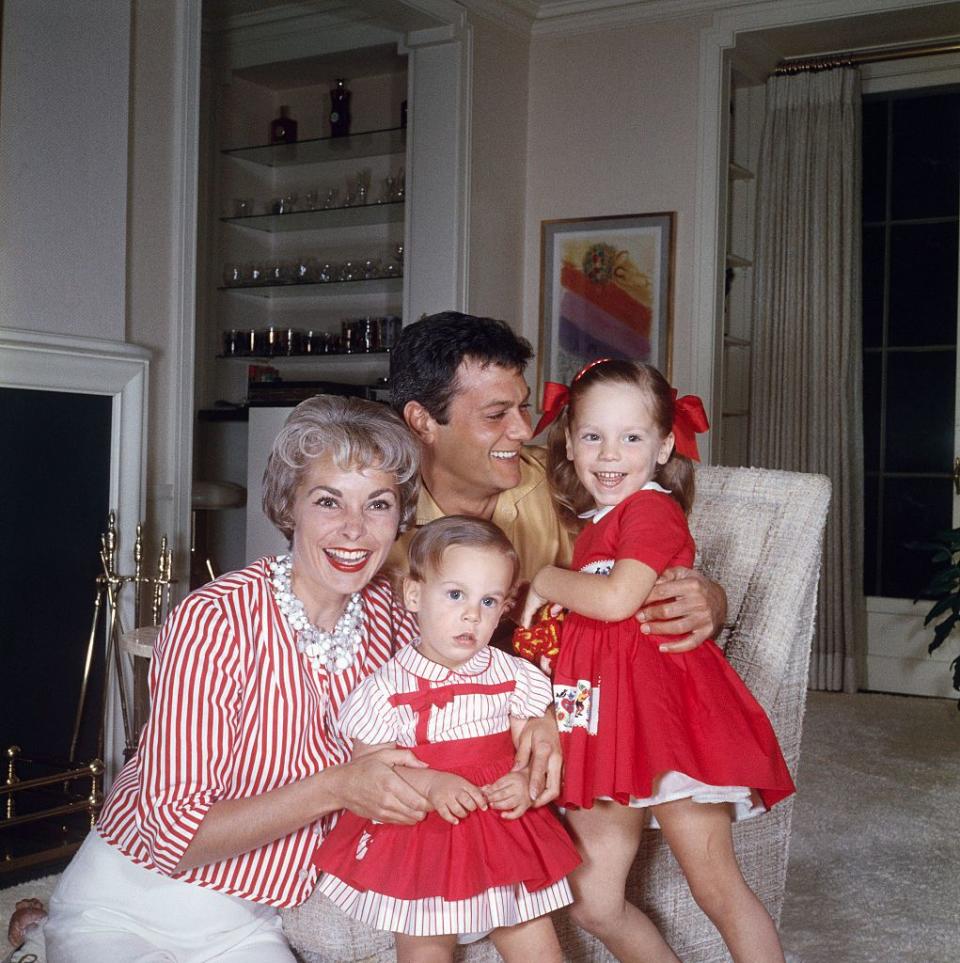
(556, 396)
(689, 420)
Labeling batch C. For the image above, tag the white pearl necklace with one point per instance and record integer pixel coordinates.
(332, 651)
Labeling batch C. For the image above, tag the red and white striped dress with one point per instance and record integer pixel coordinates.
(436, 878)
(238, 711)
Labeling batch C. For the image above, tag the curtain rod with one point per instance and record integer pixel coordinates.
(851, 58)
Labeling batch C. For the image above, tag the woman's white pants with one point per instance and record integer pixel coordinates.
(106, 907)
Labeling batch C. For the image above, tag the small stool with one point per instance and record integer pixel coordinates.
(208, 496)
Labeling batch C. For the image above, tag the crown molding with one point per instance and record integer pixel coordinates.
(517, 16)
(578, 16)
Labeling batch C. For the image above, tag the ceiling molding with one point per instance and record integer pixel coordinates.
(576, 16)
(517, 16)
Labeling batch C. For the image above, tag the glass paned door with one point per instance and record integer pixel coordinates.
(911, 201)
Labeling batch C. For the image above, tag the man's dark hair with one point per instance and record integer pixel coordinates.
(425, 359)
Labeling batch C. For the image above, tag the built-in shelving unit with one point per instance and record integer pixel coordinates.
(290, 208)
(743, 132)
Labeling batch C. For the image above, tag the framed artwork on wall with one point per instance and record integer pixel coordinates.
(606, 287)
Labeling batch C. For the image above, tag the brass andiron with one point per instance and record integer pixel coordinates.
(109, 587)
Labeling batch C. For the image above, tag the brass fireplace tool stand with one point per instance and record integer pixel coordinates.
(151, 593)
(110, 585)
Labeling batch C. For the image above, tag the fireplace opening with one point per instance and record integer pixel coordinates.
(56, 489)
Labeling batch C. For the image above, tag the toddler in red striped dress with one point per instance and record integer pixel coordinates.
(483, 859)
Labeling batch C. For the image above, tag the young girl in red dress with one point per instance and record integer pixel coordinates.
(483, 859)
(676, 734)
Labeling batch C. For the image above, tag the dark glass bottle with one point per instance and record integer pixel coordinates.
(339, 110)
(283, 129)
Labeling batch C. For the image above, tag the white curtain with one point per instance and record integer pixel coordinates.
(807, 368)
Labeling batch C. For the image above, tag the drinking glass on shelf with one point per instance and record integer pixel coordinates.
(311, 200)
(332, 197)
(232, 274)
(349, 271)
(327, 272)
(349, 336)
(254, 273)
(372, 269)
(388, 330)
(302, 270)
(285, 204)
(358, 187)
(242, 206)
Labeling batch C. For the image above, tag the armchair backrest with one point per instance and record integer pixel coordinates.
(759, 533)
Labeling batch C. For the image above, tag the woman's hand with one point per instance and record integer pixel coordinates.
(510, 794)
(453, 797)
(538, 747)
(369, 787)
(685, 604)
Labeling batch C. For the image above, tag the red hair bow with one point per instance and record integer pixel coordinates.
(689, 420)
(556, 396)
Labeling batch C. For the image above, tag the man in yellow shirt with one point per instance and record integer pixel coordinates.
(457, 380)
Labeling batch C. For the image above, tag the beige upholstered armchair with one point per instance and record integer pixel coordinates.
(759, 534)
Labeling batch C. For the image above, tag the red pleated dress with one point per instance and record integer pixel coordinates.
(434, 877)
(640, 726)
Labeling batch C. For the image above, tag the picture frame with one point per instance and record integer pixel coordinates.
(606, 291)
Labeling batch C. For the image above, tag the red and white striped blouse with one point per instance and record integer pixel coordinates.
(238, 711)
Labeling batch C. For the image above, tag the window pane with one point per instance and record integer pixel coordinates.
(874, 148)
(871, 583)
(914, 509)
(923, 284)
(926, 156)
(872, 412)
(872, 284)
(920, 403)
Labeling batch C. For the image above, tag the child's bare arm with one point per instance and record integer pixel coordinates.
(610, 598)
(451, 796)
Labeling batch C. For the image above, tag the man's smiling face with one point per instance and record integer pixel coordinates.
(488, 423)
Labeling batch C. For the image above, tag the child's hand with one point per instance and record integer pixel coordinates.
(453, 797)
(510, 794)
(533, 604)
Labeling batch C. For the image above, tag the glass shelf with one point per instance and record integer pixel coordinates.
(740, 173)
(736, 261)
(332, 217)
(321, 358)
(371, 143)
(320, 289)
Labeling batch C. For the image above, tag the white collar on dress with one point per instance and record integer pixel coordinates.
(410, 658)
(597, 513)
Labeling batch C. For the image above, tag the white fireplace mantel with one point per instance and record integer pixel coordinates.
(38, 361)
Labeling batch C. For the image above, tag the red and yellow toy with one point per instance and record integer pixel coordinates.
(540, 644)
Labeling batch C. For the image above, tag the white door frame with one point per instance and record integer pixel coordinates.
(896, 658)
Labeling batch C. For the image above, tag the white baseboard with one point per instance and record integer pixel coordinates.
(897, 657)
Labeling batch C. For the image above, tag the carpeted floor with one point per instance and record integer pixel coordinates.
(874, 872)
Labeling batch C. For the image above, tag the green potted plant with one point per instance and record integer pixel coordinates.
(944, 589)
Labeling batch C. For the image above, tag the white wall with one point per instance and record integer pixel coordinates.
(497, 171)
(63, 166)
(612, 129)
